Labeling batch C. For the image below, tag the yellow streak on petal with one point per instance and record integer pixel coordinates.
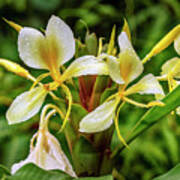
(126, 67)
(17, 27)
(39, 78)
(50, 53)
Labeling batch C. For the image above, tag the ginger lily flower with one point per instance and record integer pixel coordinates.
(47, 152)
(171, 74)
(49, 51)
(122, 70)
(55, 48)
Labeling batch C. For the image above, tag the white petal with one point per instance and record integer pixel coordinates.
(100, 119)
(172, 66)
(60, 32)
(29, 43)
(147, 85)
(114, 70)
(177, 44)
(124, 42)
(86, 65)
(47, 154)
(130, 65)
(26, 105)
(29, 159)
(57, 153)
(178, 110)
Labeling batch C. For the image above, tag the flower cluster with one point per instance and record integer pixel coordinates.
(53, 48)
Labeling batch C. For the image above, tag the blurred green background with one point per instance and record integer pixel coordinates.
(158, 149)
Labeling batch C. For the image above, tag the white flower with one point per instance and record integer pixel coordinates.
(48, 51)
(46, 154)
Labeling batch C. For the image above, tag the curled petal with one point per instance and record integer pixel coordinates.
(47, 154)
(86, 65)
(26, 105)
(147, 85)
(177, 44)
(60, 33)
(100, 119)
(172, 67)
(130, 65)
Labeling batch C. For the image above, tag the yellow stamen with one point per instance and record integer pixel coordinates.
(135, 103)
(39, 78)
(153, 103)
(111, 97)
(44, 119)
(68, 93)
(117, 127)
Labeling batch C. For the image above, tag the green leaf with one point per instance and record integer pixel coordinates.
(77, 113)
(154, 115)
(85, 158)
(173, 174)
(31, 171)
(108, 92)
(109, 177)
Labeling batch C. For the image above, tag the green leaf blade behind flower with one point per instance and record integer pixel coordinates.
(173, 174)
(33, 172)
(153, 116)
